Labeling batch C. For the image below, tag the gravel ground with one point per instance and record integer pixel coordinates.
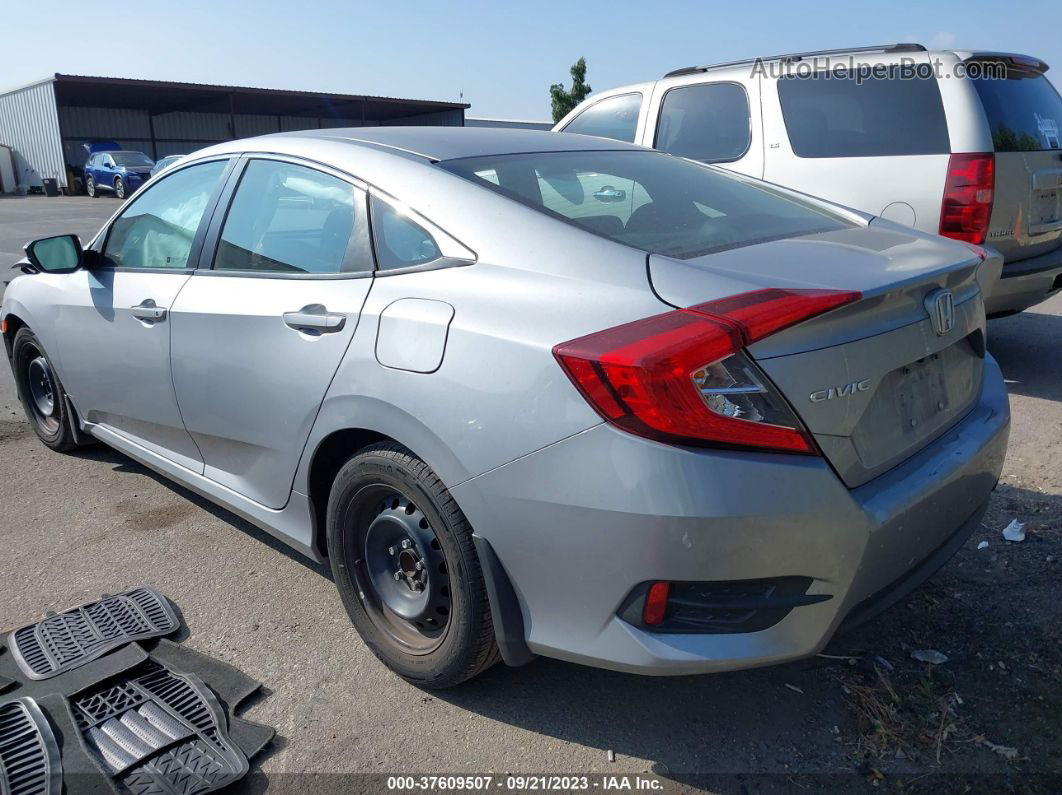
(75, 526)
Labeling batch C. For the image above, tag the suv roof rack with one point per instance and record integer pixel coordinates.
(797, 56)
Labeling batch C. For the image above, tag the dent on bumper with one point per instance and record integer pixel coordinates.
(578, 524)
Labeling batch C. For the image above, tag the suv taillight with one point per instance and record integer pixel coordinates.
(682, 377)
(967, 203)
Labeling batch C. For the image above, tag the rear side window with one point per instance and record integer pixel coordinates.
(708, 122)
(1024, 112)
(400, 241)
(287, 218)
(648, 200)
(834, 114)
(615, 117)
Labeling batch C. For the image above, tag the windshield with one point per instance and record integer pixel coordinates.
(131, 159)
(1024, 112)
(648, 200)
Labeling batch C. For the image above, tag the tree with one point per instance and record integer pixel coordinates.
(563, 101)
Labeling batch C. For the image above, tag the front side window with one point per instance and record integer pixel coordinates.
(708, 122)
(157, 228)
(287, 218)
(832, 114)
(615, 117)
(648, 200)
(400, 241)
(1024, 111)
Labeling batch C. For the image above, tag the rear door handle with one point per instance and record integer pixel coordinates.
(316, 318)
(147, 310)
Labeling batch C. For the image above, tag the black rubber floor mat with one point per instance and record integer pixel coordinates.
(157, 732)
(66, 640)
(29, 755)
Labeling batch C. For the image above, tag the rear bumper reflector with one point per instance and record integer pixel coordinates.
(717, 608)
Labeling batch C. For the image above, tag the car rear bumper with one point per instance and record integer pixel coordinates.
(581, 523)
(1025, 283)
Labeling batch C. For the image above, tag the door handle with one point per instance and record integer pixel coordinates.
(147, 310)
(316, 318)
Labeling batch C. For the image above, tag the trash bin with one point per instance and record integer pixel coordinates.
(51, 186)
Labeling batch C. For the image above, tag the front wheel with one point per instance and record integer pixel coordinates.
(41, 393)
(119, 187)
(403, 559)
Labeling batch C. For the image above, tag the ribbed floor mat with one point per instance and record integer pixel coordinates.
(157, 732)
(29, 755)
(67, 640)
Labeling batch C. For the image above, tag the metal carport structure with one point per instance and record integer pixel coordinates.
(47, 123)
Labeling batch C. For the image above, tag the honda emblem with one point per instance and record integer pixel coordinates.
(940, 304)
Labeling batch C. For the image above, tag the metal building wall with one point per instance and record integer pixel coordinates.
(129, 128)
(519, 124)
(179, 132)
(29, 124)
(442, 118)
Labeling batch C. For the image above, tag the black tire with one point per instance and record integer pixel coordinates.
(119, 187)
(91, 189)
(41, 393)
(379, 488)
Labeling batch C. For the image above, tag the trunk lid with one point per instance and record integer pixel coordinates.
(1024, 113)
(873, 381)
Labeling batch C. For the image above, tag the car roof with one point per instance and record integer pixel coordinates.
(899, 49)
(436, 143)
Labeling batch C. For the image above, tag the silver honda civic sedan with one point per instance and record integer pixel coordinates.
(533, 393)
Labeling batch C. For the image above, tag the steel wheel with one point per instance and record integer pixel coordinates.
(43, 394)
(401, 572)
(119, 187)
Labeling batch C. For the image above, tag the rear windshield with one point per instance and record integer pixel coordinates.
(1024, 112)
(841, 114)
(131, 159)
(648, 200)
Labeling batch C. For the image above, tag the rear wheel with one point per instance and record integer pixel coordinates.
(90, 187)
(119, 187)
(406, 568)
(41, 393)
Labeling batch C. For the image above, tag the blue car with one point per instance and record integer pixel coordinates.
(120, 172)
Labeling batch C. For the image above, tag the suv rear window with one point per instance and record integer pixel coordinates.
(832, 114)
(648, 200)
(1024, 112)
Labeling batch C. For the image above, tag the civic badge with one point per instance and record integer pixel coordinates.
(940, 304)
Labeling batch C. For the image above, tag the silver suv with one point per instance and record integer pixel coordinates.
(964, 144)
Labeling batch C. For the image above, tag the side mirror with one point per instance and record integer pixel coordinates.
(60, 254)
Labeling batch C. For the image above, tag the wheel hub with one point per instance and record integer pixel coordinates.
(406, 567)
(41, 389)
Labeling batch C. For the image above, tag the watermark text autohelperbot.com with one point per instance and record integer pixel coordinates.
(847, 68)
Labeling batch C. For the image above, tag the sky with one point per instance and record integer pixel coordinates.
(500, 57)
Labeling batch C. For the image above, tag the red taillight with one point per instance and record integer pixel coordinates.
(967, 203)
(656, 603)
(667, 377)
